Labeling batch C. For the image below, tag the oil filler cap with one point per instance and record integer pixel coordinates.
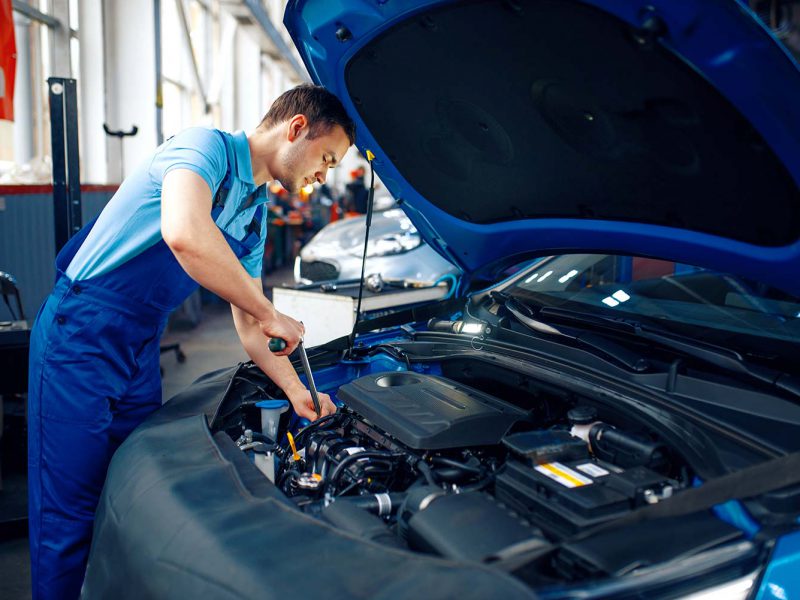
(582, 415)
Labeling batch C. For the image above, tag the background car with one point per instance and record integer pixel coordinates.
(396, 251)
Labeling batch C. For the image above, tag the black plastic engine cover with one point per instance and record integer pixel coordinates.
(469, 526)
(426, 412)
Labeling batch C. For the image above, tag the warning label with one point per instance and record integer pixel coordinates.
(563, 474)
(592, 469)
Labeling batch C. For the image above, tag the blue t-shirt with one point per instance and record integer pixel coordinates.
(131, 221)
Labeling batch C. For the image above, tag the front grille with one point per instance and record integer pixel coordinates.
(318, 270)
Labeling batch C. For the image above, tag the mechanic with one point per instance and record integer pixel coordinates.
(193, 213)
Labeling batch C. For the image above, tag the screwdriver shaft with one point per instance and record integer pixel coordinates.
(310, 378)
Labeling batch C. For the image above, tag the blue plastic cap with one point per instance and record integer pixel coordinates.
(273, 404)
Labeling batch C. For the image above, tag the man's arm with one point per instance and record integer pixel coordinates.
(201, 249)
(277, 368)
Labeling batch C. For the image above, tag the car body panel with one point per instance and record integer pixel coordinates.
(781, 578)
(719, 41)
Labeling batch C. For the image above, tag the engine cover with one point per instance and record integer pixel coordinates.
(426, 412)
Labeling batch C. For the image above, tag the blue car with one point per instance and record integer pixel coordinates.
(617, 416)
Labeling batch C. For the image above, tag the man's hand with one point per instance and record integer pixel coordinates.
(285, 328)
(304, 406)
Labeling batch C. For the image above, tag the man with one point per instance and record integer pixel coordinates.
(191, 214)
(356, 192)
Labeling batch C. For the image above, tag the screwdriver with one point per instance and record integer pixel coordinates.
(278, 344)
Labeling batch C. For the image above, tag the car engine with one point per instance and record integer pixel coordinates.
(423, 462)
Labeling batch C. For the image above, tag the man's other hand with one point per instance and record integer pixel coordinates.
(304, 406)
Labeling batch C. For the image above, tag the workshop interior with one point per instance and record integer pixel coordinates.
(541, 299)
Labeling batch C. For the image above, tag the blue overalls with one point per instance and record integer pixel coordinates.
(94, 376)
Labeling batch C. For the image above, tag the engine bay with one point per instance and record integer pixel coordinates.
(424, 462)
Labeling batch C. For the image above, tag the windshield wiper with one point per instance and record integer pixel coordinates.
(724, 358)
(632, 360)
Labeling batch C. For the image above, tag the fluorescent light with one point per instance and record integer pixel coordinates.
(535, 275)
(610, 301)
(621, 296)
(568, 276)
(545, 276)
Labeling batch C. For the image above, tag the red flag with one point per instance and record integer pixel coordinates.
(8, 60)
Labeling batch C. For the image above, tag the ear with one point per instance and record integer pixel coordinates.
(296, 126)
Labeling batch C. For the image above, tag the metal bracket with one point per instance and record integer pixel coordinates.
(66, 161)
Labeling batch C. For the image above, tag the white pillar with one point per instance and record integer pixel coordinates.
(248, 68)
(23, 100)
(91, 82)
(130, 80)
(227, 72)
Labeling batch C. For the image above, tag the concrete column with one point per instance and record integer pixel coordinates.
(91, 83)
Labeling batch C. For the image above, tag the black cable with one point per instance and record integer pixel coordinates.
(260, 437)
(426, 471)
(351, 486)
(352, 337)
(349, 460)
(478, 485)
(315, 425)
(370, 471)
(286, 475)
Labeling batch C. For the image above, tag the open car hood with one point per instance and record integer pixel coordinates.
(516, 128)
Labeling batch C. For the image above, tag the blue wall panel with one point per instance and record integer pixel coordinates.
(27, 244)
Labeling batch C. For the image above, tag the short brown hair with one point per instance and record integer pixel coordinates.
(322, 109)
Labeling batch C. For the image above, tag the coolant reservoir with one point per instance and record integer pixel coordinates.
(271, 411)
(266, 464)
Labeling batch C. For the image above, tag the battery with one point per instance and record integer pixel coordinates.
(565, 497)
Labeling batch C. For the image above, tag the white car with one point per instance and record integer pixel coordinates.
(396, 252)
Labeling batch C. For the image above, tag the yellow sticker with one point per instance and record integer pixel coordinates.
(563, 474)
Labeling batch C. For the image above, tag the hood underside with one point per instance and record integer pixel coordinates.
(533, 127)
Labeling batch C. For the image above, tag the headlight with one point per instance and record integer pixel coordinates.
(739, 589)
(393, 243)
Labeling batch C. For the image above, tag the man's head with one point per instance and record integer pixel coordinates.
(313, 131)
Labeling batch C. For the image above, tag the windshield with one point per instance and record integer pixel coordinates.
(674, 296)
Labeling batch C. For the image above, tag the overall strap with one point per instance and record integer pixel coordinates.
(253, 233)
(227, 182)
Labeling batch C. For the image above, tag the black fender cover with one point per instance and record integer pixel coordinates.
(185, 514)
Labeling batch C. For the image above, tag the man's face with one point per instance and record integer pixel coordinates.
(305, 161)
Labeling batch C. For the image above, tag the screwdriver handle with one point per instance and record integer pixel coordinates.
(277, 344)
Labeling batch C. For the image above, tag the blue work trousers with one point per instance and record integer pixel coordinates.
(94, 376)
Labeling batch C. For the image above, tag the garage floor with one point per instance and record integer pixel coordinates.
(213, 344)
